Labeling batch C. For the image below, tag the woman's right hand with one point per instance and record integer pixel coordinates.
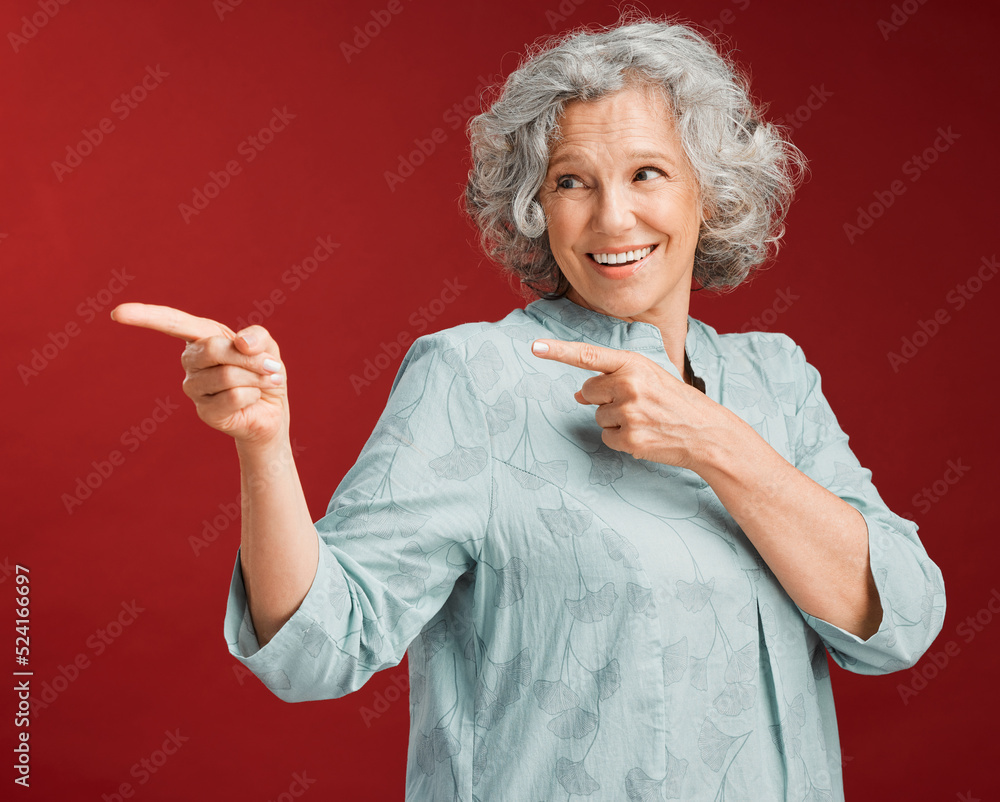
(236, 379)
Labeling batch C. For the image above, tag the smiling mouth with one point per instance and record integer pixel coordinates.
(625, 258)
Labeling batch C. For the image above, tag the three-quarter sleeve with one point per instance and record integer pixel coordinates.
(909, 583)
(406, 521)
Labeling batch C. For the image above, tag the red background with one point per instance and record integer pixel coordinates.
(62, 235)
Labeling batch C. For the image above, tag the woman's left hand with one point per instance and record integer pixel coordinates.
(644, 410)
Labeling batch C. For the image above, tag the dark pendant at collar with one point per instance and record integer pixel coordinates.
(699, 383)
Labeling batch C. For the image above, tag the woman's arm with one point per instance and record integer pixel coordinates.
(239, 386)
(279, 549)
(814, 542)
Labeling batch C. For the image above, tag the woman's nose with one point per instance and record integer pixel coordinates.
(613, 214)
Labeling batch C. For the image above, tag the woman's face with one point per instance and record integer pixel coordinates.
(618, 182)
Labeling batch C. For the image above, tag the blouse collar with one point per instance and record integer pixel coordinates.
(570, 321)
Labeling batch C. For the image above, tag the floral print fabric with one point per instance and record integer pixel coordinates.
(580, 624)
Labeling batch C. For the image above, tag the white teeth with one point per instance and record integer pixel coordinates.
(621, 258)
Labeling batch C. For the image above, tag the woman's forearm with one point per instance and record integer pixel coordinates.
(815, 542)
(279, 549)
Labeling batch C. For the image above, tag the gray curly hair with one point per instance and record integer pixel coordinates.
(747, 169)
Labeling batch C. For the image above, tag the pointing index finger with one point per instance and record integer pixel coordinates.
(581, 355)
(170, 321)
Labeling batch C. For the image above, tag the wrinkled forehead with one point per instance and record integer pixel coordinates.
(635, 119)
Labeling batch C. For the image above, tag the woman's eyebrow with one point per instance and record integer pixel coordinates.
(635, 156)
(650, 155)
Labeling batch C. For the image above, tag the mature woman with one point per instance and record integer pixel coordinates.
(616, 545)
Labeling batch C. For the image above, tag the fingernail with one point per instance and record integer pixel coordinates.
(249, 339)
(276, 378)
(539, 348)
(271, 365)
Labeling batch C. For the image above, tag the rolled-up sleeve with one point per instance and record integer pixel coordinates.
(909, 583)
(404, 524)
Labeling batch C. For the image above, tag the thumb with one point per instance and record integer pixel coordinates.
(247, 343)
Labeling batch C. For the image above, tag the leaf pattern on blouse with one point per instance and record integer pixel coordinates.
(461, 462)
(444, 744)
(562, 393)
(393, 519)
(393, 608)
(714, 745)
(675, 660)
(406, 586)
(485, 366)
(931, 614)
(313, 640)
(574, 723)
(605, 466)
(434, 639)
(620, 548)
(594, 606)
(695, 595)
(418, 686)
(393, 430)
(574, 778)
(500, 414)
(337, 595)
(555, 697)
(511, 581)
(541, 472)
(512, 676)
(640, 787)
(698, 672)
(785, 735)
(640, 599)
(565, 522)
(608, 679)
(536, 386)
(480, 755)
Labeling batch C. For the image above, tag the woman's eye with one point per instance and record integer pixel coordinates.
(569, 182)
(648, 173)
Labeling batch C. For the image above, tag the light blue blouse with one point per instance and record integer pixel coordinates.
(580, 623)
